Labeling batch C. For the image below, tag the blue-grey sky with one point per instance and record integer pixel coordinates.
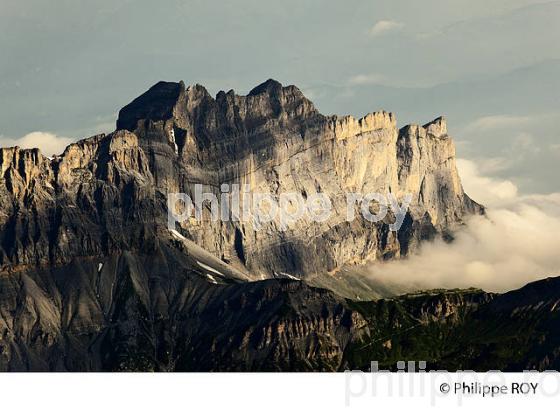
(491, 66)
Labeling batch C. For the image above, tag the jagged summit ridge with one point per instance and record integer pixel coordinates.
(268, 100)
(167, 99)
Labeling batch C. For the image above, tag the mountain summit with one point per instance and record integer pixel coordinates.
(89, 268)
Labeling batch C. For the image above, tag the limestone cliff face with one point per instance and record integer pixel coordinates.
(107, 194)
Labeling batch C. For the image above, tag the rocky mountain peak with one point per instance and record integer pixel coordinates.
(194, 112)
(155, 104)
(437, 127)
(270, 86)
(275, 90)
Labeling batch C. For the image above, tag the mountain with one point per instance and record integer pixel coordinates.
(108, 193)
(92, 278)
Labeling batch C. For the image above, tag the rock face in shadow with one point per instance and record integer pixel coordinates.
(91, 278)
(141, 313)
(464, 330)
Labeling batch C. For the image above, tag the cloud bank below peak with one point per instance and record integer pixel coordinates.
(515, 243)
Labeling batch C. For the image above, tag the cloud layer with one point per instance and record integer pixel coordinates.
(384, 26)
(49, 144)
(516, 243)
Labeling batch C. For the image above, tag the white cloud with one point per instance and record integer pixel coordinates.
(484, 189)
(49, 144)
(494, 122)
(364, 79)
(515, 243)
(384, 26)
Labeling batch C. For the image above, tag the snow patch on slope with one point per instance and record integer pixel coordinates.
(209, 268)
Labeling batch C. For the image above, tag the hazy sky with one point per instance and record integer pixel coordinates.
(491, 66)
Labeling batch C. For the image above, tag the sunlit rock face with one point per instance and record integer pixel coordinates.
(274, 140)
(107, 194)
